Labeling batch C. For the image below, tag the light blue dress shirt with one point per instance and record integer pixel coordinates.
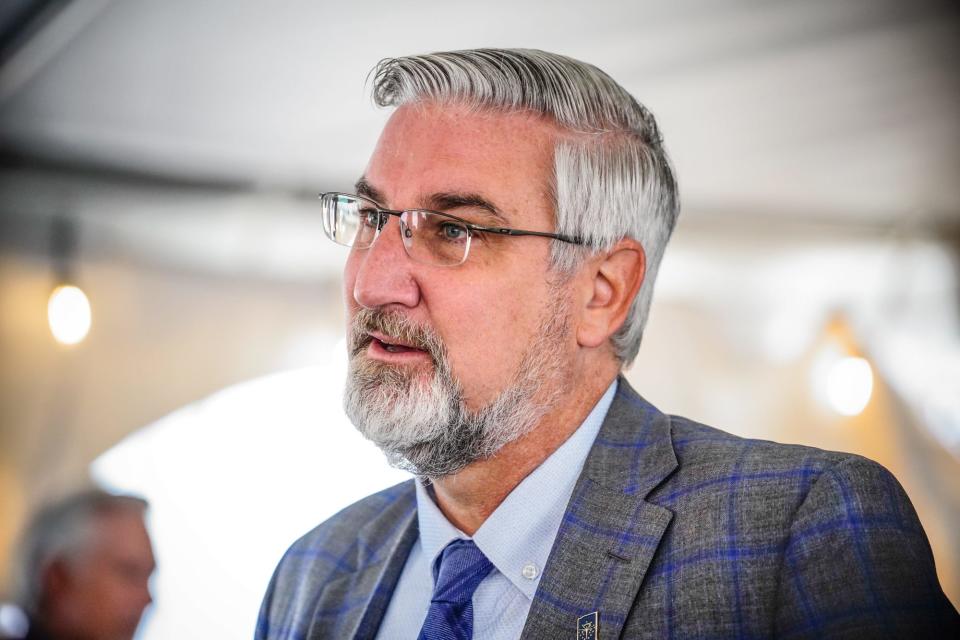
(517, 539)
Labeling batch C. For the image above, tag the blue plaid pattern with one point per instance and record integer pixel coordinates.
(337, 580)
(457, 573)
(674, 530)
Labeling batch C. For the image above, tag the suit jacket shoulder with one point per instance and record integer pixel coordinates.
(794, 541)
(342, 572)
(713, 465)
(679, 530)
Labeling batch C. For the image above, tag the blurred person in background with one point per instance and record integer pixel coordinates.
(505, 238)
(83, 568)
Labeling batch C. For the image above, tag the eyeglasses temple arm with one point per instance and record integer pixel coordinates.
(520, 232)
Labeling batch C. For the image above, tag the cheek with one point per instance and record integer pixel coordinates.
(487, 335)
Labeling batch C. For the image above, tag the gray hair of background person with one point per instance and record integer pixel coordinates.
(64, 531)
(612, 178)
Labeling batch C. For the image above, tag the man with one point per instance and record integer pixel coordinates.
(84, 567)
(505, 239)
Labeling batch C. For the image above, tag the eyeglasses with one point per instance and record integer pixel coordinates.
(429, 237)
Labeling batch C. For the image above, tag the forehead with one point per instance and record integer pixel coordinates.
(121, 532)
(429, 148)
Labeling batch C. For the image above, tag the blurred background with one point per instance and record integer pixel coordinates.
(163, 158)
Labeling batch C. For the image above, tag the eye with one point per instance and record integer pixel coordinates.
(370, 218)
(452, 231)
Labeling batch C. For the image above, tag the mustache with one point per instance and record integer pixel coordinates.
(396, 325)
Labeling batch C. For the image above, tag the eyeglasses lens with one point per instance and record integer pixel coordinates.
(434, 239)
(349, 221)
(428, 237)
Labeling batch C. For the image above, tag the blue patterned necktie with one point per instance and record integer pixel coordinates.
(456, 575)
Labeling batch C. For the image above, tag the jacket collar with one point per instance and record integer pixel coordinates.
(353, 605)
(610, 532)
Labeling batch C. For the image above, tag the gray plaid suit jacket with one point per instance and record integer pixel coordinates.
(674, 530)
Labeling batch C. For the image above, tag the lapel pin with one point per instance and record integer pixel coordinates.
(588, 626)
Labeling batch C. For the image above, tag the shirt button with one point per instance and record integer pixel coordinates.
(530, 571)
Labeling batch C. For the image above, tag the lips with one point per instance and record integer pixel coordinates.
(392, 338)
(396, 348)
(393, 345)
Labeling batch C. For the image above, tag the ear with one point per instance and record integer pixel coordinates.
(611, 282)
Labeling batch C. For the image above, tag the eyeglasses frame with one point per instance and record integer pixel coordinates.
(470, 227)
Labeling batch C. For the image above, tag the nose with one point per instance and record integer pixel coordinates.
(384, 273)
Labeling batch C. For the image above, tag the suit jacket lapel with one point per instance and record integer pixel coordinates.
(354, 604)
(609, 533)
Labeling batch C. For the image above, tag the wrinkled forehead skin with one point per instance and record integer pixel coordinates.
(449, 147)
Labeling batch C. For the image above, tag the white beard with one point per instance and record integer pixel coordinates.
(424, 426)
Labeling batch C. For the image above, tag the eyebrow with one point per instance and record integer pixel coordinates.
(448, 201)
(367, 190)
(444, 201)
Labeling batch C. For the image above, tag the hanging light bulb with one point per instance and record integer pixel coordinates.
(69, 315)
(68, 310)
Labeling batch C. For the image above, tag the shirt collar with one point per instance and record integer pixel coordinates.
(436, 532)
(520, 533)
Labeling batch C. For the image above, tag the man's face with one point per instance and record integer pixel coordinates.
(485, 327)
(105, 590)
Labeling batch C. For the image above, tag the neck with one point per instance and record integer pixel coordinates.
(468, 497)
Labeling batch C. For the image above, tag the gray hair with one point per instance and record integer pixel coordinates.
(62, 530)
(611, 181)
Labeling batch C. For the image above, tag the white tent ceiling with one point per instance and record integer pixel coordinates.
(827, 109)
